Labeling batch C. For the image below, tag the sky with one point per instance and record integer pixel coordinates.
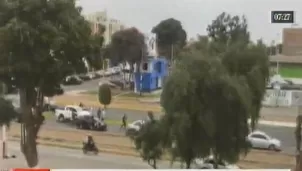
(196, 15)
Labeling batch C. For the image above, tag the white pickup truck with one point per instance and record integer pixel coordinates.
(70, 112)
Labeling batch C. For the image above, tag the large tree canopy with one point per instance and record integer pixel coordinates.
(42, 41)
(170, 33)
(128, 46)
(229, 39)
(213, 90)
(190, 98)
(227, 30)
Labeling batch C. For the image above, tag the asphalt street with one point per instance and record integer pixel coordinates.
(60, 158)
(86, 85)
(284, 134)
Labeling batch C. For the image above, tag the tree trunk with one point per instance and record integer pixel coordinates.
(32, 119)
(154, 164)
(131, 76)
(215, 161)
(298, 163)
(124, 75)
(188, 163)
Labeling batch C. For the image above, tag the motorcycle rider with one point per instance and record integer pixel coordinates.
(89, 142)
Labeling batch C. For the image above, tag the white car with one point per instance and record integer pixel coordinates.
(134, 127)
(70, 112)
(259, 139)
(208, 163)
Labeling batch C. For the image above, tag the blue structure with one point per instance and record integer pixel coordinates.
(152, 74)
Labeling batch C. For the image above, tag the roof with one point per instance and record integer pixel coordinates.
(286, 59)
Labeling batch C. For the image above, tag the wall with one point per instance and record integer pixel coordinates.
(151, 74)
(112, 25)
(277, 98)
(283, 98)
(292, 41)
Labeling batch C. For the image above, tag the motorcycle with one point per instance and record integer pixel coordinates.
(90, 148)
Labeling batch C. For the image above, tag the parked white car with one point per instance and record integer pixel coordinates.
(134, 127)
(208, 163)
(259, 139)
(70, 112)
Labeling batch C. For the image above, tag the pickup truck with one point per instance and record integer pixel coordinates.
(70, 112)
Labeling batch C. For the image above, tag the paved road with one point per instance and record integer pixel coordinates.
(285, 134)
(60, 158)
(86, 85)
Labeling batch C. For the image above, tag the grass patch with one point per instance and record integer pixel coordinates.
(137, 95)
(48, 115)
(96, 92)
(90, 92)
(291, 72)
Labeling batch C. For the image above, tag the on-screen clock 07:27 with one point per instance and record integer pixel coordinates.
(286, 17)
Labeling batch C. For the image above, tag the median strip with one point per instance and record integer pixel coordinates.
(122, 145)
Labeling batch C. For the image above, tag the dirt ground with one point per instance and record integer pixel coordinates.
(122, 145)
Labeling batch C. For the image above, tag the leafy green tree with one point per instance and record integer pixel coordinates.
(95, 48)
(252, 64)
(171, 37)
(197, 126)
(7, 112)
(128, 46)
(149, 142)
(227, 30)
(42, 41)
(105, 95)
(230, 40)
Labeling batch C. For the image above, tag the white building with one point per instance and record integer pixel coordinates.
(111, 25)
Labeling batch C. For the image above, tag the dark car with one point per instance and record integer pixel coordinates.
(90, 122)
(84, 77)
(72, 80)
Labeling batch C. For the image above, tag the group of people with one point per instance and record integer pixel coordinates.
(101, 114)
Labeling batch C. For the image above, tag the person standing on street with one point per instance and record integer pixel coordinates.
(99, 113)
(124, 122)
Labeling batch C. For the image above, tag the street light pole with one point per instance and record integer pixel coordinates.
(140, 72)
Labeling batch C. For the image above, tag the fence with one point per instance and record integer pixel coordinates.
(282, 98)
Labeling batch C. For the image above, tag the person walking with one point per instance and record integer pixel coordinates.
(124, 122)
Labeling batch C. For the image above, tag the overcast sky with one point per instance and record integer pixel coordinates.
(195, 15)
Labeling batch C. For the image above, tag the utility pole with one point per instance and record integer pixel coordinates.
(141, 75)
(4, 147)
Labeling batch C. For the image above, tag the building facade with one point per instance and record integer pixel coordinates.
(111, 25)
(292, 42)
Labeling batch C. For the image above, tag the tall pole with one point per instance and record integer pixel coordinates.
(103, 64)
(141, 74)
(4, 149)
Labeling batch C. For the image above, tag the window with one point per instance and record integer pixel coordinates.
(73, 110)
(145, 66)
(259, 136)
